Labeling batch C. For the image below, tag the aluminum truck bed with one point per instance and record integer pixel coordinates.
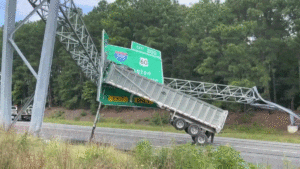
(185, 105)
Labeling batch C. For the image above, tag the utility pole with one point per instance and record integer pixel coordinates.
(44, 69)
(7, 64)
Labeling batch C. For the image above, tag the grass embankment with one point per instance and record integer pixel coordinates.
(160, 123)
(24, 151)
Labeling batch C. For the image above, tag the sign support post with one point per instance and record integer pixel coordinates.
(44, 70)
(101, 67)
(7, 64)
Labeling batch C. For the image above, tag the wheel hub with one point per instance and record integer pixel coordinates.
(180, 124)
(194, 130)
(201, 140)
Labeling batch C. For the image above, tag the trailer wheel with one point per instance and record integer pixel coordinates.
(201, 139)
(179, 124)
(194, 129)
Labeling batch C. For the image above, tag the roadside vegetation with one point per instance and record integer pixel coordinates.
(160, 122)
(24, 151)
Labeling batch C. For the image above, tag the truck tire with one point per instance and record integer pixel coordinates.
(194, 129)
(179, 124)
(201, 139)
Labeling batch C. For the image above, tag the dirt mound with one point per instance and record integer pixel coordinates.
(130, 115)
(272, 119)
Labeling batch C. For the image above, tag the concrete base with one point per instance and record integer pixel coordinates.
(292, 129)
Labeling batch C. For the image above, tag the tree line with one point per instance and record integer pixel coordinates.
(244, 43)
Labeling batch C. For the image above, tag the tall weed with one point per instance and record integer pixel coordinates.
(58, 115)
(159, 119)
(189, 156)
(25, 151)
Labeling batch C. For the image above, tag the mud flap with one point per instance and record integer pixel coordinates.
(212, 137)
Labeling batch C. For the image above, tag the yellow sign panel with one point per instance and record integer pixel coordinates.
(117, 99)
(142, 100)
(125, 99)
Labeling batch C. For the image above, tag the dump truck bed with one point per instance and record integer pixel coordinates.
(166, 97)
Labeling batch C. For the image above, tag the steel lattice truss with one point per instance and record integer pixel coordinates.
(211, 91)
(73, 34)
(219, 92)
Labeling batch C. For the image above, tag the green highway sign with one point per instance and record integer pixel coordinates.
(145, 49)
(144, 64)
(111, 95)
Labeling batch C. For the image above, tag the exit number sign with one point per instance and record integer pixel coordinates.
(145, 49)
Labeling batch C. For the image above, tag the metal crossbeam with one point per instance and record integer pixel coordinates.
(227, 93)
(211, 91)
(73, 34)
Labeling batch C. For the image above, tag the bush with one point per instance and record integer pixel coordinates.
(147, 119)
(77, 119)
(158, 119)
(246, 118)
(227, 157)
(83, 113)
(118, 120)
(137, 121)
(144, 152)
(118, 108)
(189, 156)
(58, 115)
(94, 108)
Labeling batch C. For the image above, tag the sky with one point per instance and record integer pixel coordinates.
(24, 8)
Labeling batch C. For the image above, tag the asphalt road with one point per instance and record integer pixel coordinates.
(257, 152)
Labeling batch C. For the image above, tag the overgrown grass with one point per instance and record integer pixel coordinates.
(254, 132)
(58, 115)
(159, 119)
(190, 156)
(18, 152)
(24, 151)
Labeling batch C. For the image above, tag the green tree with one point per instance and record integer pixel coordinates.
(89, 94)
